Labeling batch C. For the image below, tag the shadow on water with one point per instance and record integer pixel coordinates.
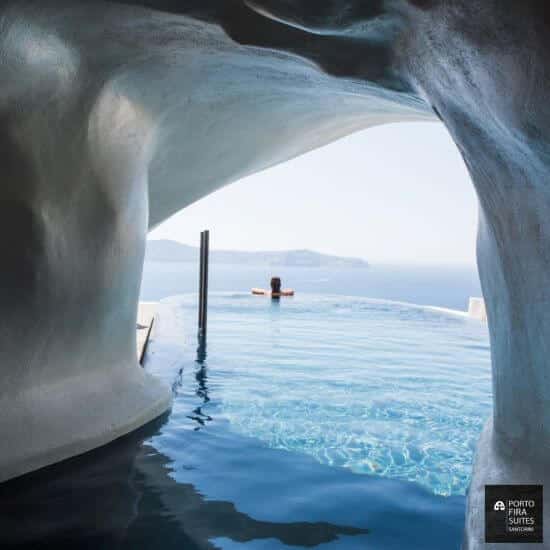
(122, 496)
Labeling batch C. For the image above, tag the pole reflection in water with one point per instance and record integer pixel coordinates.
(201, 376)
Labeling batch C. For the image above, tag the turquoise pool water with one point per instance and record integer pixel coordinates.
(324, 422)
(376, 387)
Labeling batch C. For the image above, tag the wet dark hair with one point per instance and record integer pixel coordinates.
(276, 284)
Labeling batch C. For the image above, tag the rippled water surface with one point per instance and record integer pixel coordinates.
(324, 422)
(376, 387)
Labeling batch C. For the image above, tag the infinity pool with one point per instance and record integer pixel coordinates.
(376, 387)
(313, 422)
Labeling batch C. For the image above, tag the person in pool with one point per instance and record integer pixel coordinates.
(276, 290)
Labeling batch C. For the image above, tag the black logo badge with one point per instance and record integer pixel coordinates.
(513, 513)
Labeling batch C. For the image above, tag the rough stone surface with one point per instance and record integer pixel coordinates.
(115, 116)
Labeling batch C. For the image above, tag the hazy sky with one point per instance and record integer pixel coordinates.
(393, 194)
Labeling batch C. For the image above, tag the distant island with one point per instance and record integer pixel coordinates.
(172, 251)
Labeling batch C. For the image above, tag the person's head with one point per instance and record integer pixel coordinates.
(275, 284)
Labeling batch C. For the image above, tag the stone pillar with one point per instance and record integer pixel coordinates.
(484, 69)
(73, 222)
(514, 260)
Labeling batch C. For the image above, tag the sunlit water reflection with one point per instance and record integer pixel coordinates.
(376, 387)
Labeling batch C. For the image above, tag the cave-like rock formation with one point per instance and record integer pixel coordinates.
(115, 115)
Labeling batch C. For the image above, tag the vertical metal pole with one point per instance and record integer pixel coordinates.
(203, 284)
(201, 281)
